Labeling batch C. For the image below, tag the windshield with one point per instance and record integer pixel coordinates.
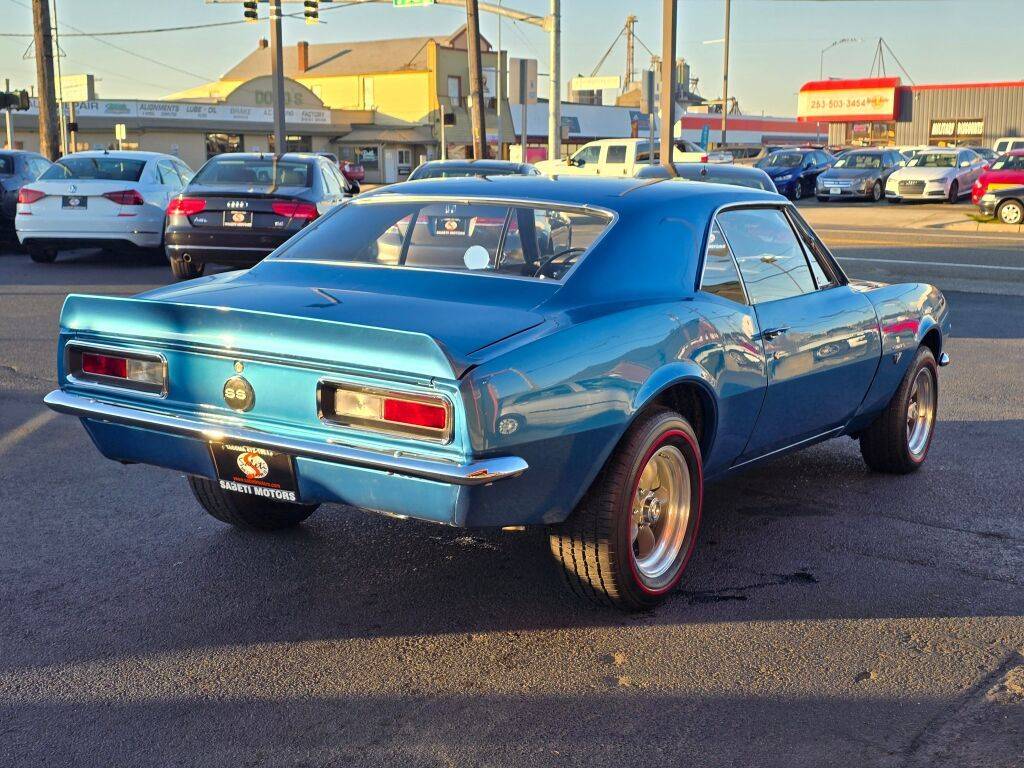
(106, 168)
(1009, 163)
(782, 160)
(490, 238)
(253, 171)
(441, 172)
(859, 161)
(933, 160)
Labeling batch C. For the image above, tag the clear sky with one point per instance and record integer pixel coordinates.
(776, 44)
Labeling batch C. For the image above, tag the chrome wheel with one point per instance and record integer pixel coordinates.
(921, 413)
(1011, 213)
(660, 512)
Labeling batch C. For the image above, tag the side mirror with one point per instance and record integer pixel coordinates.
(965, 163)
(578, 163)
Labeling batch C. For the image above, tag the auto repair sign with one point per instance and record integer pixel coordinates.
(839, 101)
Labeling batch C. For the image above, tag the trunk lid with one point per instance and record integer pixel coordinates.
(256, 204)
(92, 204)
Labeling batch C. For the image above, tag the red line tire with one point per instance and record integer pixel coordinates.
(596, 545)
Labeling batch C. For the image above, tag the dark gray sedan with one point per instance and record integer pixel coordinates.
(715, 173)
(17, 168)
(859, 174)
(448, 169)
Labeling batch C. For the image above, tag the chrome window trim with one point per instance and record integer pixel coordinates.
(69, 370)
(739, 204)
(732, 256)
(396, 197)
(446, 438)
(837, 271)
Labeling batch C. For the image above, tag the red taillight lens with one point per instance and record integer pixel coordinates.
(105, 365)
(703, 158)
(185, 206)
(125, 197)
(295, 210)
(415, 414)
(28, 196)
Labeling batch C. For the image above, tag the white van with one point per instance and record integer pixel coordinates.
(618, 157)
(1008, 144)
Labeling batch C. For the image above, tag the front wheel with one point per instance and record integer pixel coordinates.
(876, 192)
(628, 542)
(798, 190)
(898, 440)
(1011, 212)
(42, 255)
(954, 193)
(251, 513)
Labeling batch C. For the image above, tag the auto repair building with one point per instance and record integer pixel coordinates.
(884, 112)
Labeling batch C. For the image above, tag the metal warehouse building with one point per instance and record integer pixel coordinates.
(884, 112)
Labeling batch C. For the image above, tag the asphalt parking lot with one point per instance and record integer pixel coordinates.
(831, 617)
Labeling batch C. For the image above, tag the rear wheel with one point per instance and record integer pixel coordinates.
(1010, 212)
(628, 542)
(899, 439)
(245, 511)
(185, 270)
(41, 255)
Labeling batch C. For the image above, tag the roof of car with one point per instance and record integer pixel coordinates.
(118, 153)
(469, 163)
(1015, 152)
(269, 155)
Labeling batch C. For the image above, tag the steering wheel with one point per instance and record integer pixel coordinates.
(544, 268)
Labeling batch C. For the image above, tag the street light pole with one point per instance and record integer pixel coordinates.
(555, 87)
(277, 76)
(725, 74)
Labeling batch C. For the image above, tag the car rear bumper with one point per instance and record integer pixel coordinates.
(223, 247)
(68, 241)
(425, 488)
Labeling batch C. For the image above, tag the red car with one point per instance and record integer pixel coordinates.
(1006, 171)
(353, 171)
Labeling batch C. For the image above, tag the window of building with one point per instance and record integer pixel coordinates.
(219, 143)
(368, 102)
(871, 134)
(292, 143)
(369, 158)
(768, 253)
(720, 276)
(454, 90)
(404, 160)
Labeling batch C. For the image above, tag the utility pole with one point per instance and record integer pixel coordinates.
(476, 90)
(48, 139)
(501, 93)
(59, 87)
(725, 74)
(277, 77)
(669, 18)
(555, 87)
(630, 51)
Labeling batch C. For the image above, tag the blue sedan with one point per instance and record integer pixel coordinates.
(795, 171)
(582, 354)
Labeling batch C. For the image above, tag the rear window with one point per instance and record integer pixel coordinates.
(6, 164)
(500, 239)
(753, 181)
(269, 172)
(442, 172)
(105, 168)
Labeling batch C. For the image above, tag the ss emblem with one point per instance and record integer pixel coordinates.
(239, 394)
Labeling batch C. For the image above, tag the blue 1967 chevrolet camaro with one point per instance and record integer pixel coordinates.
(577, 353)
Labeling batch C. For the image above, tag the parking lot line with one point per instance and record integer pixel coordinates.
(18, 434)
(931, 263)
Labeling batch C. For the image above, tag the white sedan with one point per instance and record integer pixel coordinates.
(936, 174)
(113, 200)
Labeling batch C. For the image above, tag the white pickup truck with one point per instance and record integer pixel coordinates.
(618, 157)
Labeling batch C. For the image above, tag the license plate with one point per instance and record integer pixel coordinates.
(74, 202)
(253, 471)
(450, 226)
(237, 218)
(835, 191)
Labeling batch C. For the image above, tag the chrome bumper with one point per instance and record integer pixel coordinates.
(475, 473)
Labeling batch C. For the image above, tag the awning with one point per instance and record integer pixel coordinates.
(419, 134)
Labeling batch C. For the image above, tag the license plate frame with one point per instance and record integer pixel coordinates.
(235, 218)
(253, 471)
(835, 191)
(81, 202)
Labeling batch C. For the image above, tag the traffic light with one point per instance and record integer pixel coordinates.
(311, 11)
(17, 100)
(249, 11)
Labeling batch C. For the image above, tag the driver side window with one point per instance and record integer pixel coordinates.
(769, 255)
(589, 155)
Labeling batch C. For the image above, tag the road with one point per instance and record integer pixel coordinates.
(831, 617)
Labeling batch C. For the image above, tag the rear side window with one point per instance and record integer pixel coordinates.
(258, 172)
(720, 276)
(616, 153)
(103, 167)
(6, 164)
(768, 253)
(513, 240)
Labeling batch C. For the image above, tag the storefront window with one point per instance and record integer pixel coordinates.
(219, 143)
(368, 157)
(870, 134)
(292, 143)
(404, 160)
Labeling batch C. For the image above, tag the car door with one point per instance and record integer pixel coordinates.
(820, 337)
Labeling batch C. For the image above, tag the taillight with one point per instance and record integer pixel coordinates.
(295, 210)
(125, 197)
(397, 413)
(185, 206)
(131, 370)
(703, 158)
(28, 196)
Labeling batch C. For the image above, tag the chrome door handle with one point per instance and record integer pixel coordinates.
(771, 333)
